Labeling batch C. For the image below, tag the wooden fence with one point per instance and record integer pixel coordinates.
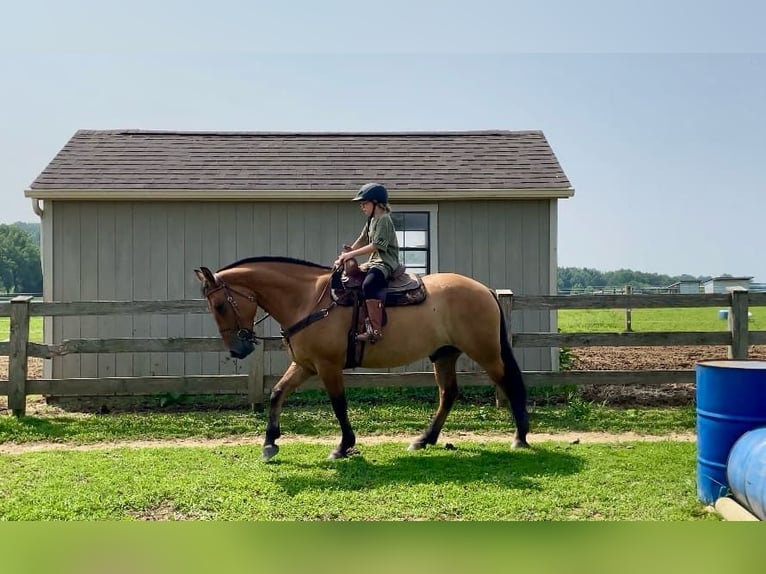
(256, 384)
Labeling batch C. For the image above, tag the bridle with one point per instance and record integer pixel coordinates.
(247, 334)
(243, 333)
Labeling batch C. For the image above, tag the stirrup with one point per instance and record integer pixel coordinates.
(370, 336)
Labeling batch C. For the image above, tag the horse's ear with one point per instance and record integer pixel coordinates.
(204, 274)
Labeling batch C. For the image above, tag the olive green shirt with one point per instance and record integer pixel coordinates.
(382, 234)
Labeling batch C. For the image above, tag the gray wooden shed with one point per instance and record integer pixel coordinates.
(127, 215)
(724, 283)
(685, 287)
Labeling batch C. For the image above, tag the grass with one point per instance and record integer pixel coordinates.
(35, 329)
(683, 319)
(486, 481)
(477, 481)
(388, 411)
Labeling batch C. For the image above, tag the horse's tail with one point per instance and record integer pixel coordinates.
(513, 381)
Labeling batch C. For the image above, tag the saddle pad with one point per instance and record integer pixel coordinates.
(405, 290)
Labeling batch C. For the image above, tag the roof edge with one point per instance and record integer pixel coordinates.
(489, 132)
(282, 195)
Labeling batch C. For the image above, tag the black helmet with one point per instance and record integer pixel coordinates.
(372, 192)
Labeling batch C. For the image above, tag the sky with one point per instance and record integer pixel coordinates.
(656, 110)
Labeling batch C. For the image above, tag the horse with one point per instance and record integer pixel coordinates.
(459, 315)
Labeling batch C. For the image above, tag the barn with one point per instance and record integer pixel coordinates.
(685, 287)
(128, 214)
(724, 283)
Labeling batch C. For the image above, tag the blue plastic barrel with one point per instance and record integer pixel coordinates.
(731, 400)
(746, 471)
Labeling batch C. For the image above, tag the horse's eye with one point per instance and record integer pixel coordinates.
(219, 308)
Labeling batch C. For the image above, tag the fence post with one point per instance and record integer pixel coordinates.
(17, 359)
(255, 378)
(738, 317)
(505, 297)
(628, 310)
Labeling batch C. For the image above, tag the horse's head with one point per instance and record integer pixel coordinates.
(233, 310)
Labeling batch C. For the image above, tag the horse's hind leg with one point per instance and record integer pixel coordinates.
(513, 386)
(293, 377)
(446, 378)
(507, 376)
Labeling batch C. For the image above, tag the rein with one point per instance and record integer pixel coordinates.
(312, 317)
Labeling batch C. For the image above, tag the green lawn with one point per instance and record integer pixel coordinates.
(682, 319)
(487, 481)
(389, 411)
(35, 329)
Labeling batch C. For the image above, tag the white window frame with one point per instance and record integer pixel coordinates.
(433, 231)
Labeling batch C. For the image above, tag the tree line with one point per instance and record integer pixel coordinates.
(580, 278)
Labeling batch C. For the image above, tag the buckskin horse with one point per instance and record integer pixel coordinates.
(458, 315)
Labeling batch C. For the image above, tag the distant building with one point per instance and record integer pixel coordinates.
(685, 287)
(723, 284)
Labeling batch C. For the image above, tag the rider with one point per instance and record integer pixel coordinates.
(378, 239)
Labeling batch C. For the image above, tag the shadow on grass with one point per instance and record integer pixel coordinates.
(510, 469)
(39, 428)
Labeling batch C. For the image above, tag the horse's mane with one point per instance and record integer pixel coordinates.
(268, 259)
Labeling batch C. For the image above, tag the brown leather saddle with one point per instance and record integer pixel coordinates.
(403, 288)
(346, 290)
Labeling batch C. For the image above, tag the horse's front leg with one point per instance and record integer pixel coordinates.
(294, 376)
(333, 382)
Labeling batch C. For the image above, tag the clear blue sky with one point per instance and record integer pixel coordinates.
(655, 109)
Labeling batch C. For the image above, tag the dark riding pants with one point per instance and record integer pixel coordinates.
(374, 284)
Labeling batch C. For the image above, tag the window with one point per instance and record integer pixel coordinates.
(416, 233)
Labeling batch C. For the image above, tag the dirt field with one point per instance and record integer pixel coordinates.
(598, 358)
(646, 359)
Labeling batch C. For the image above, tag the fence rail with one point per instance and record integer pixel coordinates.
(256, 383)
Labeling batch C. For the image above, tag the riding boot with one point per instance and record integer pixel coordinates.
(374, 322)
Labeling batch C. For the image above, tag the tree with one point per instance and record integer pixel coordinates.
(33, 228)
(20, 268)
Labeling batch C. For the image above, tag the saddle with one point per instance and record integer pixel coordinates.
(403, 288)
(346, 290)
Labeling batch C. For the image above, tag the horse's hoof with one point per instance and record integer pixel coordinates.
(268, 452)
(519, 443)
(339, 453)
(417, 445)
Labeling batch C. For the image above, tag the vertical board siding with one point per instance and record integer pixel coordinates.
(178, 275)
(140, 250)
(106, 281)
(142, 279)
(123, 284)
(193, 223)
(68, 271)
(89, 273)
(499, 243)
(158, 290)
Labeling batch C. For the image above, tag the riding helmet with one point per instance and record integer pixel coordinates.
(372, 192)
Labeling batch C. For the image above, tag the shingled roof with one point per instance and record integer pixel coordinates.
(125, 164)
